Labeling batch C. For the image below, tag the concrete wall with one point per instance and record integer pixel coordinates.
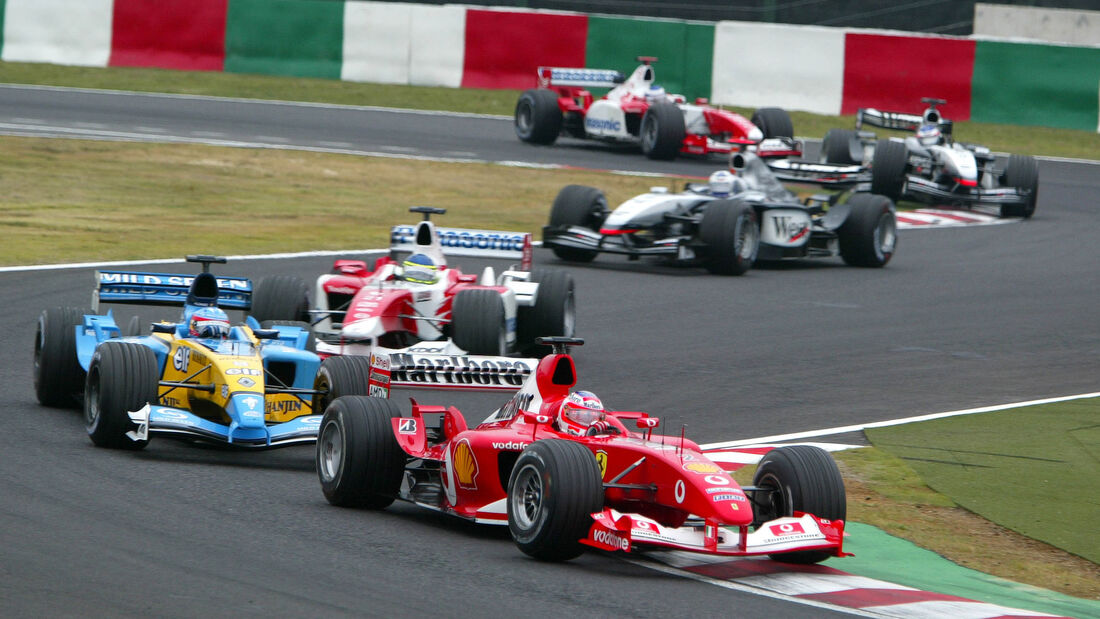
(1043, 24)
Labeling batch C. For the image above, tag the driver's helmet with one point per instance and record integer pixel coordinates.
(580, 410)
(722, 184)
(421, 269)
(209, 322)
(655, 93)
(929, 135)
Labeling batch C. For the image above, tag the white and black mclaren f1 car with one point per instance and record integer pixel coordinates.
(928, 166)
(759, 221)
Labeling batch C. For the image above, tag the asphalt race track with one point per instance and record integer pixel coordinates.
(961, 317)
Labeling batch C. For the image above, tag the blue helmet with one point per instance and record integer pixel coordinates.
(209, 322)
(421, 269)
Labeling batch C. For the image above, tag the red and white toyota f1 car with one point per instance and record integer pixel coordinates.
(395, 304)
(612, 488)
(636, 110)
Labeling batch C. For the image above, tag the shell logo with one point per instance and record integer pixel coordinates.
(465, 465)
(703, 467)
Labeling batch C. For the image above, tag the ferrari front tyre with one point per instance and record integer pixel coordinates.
(837, 147)
(577, 205)
(280, 297)
(58, 377)
(662, 131)
(554, 312)
(554, 488)
(123, 377)
(869, 235)
(477, 322)
(538, 117)
(773, 122)
(730, 235)
(359, 461)
(1022, 173)
(888, 169)
(340, 376)
(311, 341)
(798, 478)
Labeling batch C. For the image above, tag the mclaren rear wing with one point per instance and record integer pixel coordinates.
(440, 365)
(827, 174)
(888, 120)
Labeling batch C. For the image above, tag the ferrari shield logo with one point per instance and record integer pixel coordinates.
(601, 459)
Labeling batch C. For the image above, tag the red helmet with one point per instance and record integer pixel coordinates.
(580, 410)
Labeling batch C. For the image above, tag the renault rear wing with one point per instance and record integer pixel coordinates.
(144, 288)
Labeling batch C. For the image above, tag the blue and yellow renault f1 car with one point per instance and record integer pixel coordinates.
(240, 385)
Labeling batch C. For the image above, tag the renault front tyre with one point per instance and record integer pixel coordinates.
(123, 377)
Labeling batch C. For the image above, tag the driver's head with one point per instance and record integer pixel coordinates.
(655, 93)
(209, 322)
(580, 410)
(929, 135)
(421, 269)
(721, 183)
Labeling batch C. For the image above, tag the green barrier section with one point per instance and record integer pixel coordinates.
(1032, 84)
(302, 38)
(684, 49)
(881, 556)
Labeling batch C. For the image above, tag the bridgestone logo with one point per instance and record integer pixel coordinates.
(458, 370)
(610, 539)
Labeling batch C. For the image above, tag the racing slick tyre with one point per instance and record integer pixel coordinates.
(577, 205)
(774, 122)
(837, 147)
(311, 341)
(538, 117)
(58, 377)
(280, 297)
(339, 376)
(1022, 173)
(477, 322)
(359, 461)
(731, 236)
(869, 235)
(662, 131)
(554, 312)
(554, 488)
(888, 169)
(123, 377)
(799, 478)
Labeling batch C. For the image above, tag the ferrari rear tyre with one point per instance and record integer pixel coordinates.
(554, 488)
(340, 376)
(662, 131)
(359, 461)
(538, 117)
(311, 341)
(122, 378)
(1022, 173)
(577, 205)
(58, 377)
(731, 236)
(774, 122)
(280, 297)
(869, 235)
(799, 478)
(554, 312)
(888, 169)
(837, 147)
(477, 322)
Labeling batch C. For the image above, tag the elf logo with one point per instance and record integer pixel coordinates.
(608, 538)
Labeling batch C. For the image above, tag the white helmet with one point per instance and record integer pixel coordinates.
(722, 184)
(655, 93)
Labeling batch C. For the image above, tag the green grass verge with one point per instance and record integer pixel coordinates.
(1034, 470)
(1007, 138)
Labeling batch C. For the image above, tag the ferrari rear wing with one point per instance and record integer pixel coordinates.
(142, 288)
(579, 78)
(442, 365)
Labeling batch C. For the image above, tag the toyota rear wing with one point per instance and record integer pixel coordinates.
(578, 78)
(464, 242)
(144, 288)
(442, 365)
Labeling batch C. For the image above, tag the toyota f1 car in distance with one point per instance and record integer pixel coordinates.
(928, 166)
(563, 483)
(636, 110)
(196, 379)
(396, 303)
(727, 224)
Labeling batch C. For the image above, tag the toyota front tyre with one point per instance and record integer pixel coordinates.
(477, 322)
(554, 313)
(280, 297)
(662, 131)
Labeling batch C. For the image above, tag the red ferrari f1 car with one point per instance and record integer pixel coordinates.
(563, 482)
(636, 110)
